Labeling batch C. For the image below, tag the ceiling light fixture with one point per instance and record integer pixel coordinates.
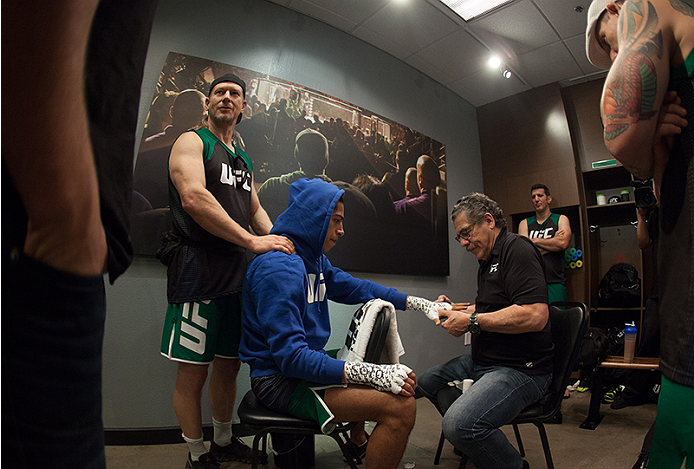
(468, 9)
(507, 74)
(494, 62)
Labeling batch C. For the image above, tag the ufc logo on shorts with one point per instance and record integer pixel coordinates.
(198, 345)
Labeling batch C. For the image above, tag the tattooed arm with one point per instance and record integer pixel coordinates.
(635, 86)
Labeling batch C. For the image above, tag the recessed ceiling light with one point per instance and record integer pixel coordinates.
(494, 62)
(507, 74)
(468, 9)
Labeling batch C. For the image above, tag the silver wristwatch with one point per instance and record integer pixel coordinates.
(473, 325)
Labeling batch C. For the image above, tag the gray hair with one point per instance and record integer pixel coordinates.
(475, 206)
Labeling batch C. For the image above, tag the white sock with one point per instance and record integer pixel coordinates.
(222, 432)
(196, 447)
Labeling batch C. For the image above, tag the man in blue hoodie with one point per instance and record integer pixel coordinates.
(286, 327)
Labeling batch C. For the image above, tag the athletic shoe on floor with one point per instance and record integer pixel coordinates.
(237, 450)
(620, 403)
(359, 450)
(612, 394)
(206, 461)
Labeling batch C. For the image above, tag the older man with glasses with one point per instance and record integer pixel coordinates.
(512, 351)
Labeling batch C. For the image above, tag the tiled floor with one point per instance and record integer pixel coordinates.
(614, 444)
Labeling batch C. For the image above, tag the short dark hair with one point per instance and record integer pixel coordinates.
(540, 186)
(475, 206)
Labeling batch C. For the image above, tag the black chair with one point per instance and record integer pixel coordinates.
(263, 421)
(569, 321)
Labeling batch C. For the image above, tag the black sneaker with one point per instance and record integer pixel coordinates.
(619, 403)
(206, 461)
(612, 394)
(237, 450)
(357, 450)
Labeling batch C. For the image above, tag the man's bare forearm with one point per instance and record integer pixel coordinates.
(634, 89)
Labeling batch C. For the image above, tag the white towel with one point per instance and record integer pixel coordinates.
(360, 332)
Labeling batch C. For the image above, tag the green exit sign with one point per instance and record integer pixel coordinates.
(603, 164)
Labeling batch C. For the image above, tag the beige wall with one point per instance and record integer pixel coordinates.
(524, 140)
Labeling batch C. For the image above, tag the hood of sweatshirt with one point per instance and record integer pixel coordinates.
(307, 218)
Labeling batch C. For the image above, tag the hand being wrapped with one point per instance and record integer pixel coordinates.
(381, 377)
(430, 308)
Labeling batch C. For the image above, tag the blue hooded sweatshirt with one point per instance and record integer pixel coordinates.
(285, 297)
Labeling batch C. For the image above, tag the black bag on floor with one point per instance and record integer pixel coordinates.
(620, 287)
(594, 348)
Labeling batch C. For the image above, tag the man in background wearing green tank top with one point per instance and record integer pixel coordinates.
(551, 234)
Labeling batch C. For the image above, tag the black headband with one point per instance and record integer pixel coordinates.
(230, 77)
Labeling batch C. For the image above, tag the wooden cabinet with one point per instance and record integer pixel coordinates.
(611, 238)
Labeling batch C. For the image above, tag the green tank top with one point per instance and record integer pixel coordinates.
(205, 266)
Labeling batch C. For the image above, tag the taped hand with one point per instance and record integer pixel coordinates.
(427, 307)
(381, 377)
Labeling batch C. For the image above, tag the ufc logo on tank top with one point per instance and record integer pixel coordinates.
(546, 233)
(238, 178)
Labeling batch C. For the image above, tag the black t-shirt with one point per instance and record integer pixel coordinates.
(513, 274)
(115, 65)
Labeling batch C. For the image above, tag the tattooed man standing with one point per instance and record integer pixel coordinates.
(648, 46)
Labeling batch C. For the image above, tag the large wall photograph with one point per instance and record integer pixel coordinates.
(394, 177)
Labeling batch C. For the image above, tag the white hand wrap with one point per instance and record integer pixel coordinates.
(427, 307)
(382, 377)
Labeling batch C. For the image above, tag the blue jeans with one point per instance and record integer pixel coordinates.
(497, 396)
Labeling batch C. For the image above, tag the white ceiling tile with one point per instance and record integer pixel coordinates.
(577, 46)
(563, 17)
(459, 53)
(355, 11)
(414, 24)
(487, 86)
(548, 64)
(542, 41)
(514, 30)
(325, 15)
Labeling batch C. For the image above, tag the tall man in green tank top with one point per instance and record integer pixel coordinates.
(551, 234)
(214, 205)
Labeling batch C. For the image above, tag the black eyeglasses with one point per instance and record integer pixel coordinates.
(465, 233)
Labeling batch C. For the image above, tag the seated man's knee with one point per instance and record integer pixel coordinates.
(404, 412)
(458, 427)
(426, 385)
(410, 412)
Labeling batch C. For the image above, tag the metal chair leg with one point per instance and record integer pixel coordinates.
(437, 458)
(545, 445)
(521, 450)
